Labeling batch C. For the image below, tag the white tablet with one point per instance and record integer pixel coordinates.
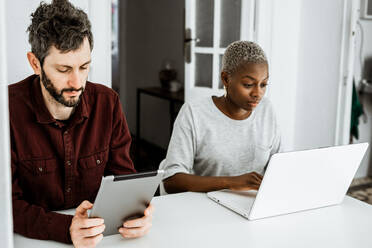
(124, 196)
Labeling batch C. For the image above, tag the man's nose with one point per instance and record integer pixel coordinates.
(75, 80)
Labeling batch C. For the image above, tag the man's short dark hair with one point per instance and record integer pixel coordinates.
(58, 24)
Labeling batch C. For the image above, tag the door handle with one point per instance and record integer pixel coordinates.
(187, 45)
(189, 40)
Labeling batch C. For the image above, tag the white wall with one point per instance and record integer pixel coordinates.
(19, 11)
(6, 220)
(284, 52)
(305, 58)
(306, 45)
(319, 67)
(17, 38)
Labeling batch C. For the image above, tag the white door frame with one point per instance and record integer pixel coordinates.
(6, 218)
(263, 25)
(350, 17)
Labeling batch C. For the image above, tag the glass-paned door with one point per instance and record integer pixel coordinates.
(211, 25)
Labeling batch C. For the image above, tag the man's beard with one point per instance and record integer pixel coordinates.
(59, 96)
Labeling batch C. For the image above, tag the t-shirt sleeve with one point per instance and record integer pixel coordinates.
(277, 145)
(277, 141)
(182, 145)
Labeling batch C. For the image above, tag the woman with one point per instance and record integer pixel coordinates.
(225, 142)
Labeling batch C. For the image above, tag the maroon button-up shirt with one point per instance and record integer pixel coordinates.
(57, 165)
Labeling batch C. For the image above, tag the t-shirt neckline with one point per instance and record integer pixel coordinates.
(224, 117)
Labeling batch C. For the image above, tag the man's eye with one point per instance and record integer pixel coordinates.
(263, 85)
(83, 68)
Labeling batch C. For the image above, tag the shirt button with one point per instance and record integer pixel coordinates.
(68, 190)
(98, 161)
(68, 162)
(40, 169)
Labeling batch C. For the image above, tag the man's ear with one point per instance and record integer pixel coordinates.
(34, 62)
(225, 78)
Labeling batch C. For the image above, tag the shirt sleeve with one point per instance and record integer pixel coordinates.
(182, 145)
(119, 159)
(34, 221)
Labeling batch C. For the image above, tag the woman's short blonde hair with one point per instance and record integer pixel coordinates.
(242, 52)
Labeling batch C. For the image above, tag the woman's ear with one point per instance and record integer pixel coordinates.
(34, 62)
(225, 78)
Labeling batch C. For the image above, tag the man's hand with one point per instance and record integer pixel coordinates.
(138, 227)
(84, 231)
(249, 181)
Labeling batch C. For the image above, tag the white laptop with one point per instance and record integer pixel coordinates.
(297, 181)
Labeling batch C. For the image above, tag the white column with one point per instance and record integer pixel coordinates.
(6, 220)
(216, 44)
(100, 18)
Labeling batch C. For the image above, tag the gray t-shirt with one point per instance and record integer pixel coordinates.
(206, 142)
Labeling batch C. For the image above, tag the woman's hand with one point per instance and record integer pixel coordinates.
(249, 181)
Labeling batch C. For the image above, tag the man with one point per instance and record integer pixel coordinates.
(66, 133)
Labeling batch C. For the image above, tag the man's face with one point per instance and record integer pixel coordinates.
(64, 75)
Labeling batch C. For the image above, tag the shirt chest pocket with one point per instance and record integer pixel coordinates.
(40, 180)
(90, 170)
(261, 158)
(93, 161)
(38, 167)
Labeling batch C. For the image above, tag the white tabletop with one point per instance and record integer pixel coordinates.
(193, 220)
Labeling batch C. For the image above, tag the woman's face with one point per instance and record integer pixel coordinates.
(246, 87)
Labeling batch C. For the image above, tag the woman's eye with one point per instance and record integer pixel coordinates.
(263, 85)
(247, 85)
(83, 68)
(63, 71)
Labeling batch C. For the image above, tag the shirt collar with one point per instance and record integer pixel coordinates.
(42, 113)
